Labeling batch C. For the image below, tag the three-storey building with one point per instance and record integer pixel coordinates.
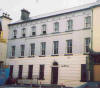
(53, 47)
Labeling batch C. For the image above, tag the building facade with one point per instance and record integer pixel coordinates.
(53, 48)
(4, 21)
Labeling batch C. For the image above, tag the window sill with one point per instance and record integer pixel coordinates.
(55, 32)
(32, 35)
(87, 28)
(68, 54)
(55, 55)
(42, 34)
(12, 57)
(41, 79)
(68, 30)
(31, 56)
(86, 53)
(21, 57)
(42, 56)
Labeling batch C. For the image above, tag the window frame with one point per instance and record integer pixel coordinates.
(86, 47)
(69, 48)
(32, 50)
(23, 32)
(70, 25)
(88, 22)
(14, 33)
(44, 28)
(22, 52)
(41, 72)
(43, 48)
(56, 27)
(55, 48)
(33, 31)
(13, 52)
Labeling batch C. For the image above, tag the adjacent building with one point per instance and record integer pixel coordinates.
(54, 47)
(4, 21)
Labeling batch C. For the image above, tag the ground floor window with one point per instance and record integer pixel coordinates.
(30, 71)
(20, 71)
(41, 74)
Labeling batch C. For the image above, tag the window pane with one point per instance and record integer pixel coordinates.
(43, 47)
(13, 50)
(32, 49)
(22, 50)
(56, 27)
(41, 74)
(69, 46)
(55, 47)
(87, 42)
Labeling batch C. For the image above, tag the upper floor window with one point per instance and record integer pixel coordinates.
(32, 49)
(22, 49)
(88, 22)
(23, 32)
(69, 46)
(13, 51)
(14, 33)
(55, 47)
(70, 25)
(33, 31)
(43, 48)
(56, 26)
(44, 29)
(87, 42)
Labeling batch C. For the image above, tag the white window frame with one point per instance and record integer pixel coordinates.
(87, 45)
(44, 27)
(32, 50)
(69, 47)
(33, 30)
(88, 22)
(57, 48)
(56, 27)
(23, 32)
(14, 33)
(13, 52)
(43, 48)
(70, 25)
(22, 50)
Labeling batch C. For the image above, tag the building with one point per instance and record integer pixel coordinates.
(53, 47)
(4, 21)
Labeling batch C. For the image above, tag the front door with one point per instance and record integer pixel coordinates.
(54, 75)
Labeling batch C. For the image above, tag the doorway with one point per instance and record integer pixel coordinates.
(54, 73)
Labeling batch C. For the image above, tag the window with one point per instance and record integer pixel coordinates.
(41, 73)
(22, 49)
(43, 48)
(88, 22)
(69, 46)
(33, 31)
(30, 71)
(13, 51)
(55, 47)
(11, 71)
(44, 29)
(83, 73)
(14, 33)
(23, 32)
(20, 71)
(56, 26)
(32, 49)
(70, 25)
(87, 42)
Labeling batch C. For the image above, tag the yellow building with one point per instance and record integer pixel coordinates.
(4, 21)
(95, 44)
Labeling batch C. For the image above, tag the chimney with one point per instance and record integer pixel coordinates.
(24, 14)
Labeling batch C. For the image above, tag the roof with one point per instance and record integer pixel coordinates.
(57, 13)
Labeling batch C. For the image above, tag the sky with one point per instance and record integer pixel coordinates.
(38, 7)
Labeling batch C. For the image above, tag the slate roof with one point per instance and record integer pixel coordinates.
(57, 13)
